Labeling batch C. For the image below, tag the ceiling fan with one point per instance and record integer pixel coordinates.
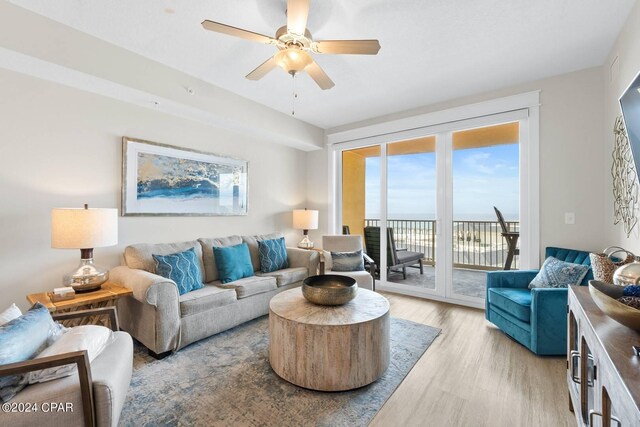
(294, 43)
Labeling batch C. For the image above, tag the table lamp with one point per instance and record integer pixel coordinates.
(305, 220)
(84, 229)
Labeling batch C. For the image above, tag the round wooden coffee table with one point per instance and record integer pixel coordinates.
(329, 348)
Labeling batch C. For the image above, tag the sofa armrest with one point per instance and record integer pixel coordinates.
(304, 258)
(147, 287)
(79, 358)
(518, 279)
(549, 320)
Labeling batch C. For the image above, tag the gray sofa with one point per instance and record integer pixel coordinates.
(164, 321)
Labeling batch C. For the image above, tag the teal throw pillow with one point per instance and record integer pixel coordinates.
(555, 273)
(21, 339)
(273, 255)
(182, 267)
(347, 261)
(234, 262)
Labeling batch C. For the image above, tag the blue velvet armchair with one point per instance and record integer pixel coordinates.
(536, 318)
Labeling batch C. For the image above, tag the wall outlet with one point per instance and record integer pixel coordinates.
(569, 218)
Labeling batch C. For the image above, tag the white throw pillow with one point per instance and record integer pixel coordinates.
(92, 338)
(13, 312)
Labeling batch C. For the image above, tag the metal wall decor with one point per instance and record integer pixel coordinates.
(625, 183)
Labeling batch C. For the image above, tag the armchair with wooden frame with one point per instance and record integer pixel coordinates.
(92, 397)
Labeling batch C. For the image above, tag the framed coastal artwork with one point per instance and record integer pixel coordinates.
(164, 180)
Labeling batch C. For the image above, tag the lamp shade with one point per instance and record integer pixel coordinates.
(305, 219)
(83, 228)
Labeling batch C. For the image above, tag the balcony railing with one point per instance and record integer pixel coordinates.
(477, 245)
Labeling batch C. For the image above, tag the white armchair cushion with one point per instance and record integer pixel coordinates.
(92, 338)
(13, 312)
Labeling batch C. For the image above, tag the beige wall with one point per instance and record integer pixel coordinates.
(60, 147)
(616, 76)
(571, 158)
(353, 192)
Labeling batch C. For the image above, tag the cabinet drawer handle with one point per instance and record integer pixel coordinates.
(617, 420)
(574, 355)
(591, 415)
(594, 372)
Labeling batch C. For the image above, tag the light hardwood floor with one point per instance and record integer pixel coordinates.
(474, 375)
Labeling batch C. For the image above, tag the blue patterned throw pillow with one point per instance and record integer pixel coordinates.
(558, 274)
(21, 339)
(182, 267)
(234, 262)
(347, 261)
(273, 255)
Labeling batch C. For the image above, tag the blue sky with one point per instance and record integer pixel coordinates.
(482, 178)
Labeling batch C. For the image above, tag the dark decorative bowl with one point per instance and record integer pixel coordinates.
(606, 296)
(329, 289)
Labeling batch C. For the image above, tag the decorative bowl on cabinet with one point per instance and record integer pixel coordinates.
(606, 296)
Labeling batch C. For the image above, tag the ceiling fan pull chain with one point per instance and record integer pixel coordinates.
(295, 95)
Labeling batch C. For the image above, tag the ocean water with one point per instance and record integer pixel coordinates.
(460, 217)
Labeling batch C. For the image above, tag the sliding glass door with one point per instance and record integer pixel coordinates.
(485, 178)
(429, 200)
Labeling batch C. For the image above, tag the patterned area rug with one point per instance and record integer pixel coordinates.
(226, 380)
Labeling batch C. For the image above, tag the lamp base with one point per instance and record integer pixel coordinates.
(305, 243)
(87, 277)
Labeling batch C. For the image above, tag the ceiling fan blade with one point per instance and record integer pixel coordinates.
(319, 76)
(236, 32)
(297, 14)
(358, 47)
(262, 69)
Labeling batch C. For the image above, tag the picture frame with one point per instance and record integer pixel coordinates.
(166, 180)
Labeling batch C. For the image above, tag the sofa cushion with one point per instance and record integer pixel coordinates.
(20, 340)
(251, 285)
(288, 275)
(205, 299)
(252, 242)
(182, 267)
(556, 273)
(210, 268)
(140, 255)
(514, 301)
(273, 255)
(12, 312)
(233, 262)
(347, 261)
(92, 338)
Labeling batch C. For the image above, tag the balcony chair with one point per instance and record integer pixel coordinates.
(511, 237)
(396, 258)
(349, 243)
(536, 318)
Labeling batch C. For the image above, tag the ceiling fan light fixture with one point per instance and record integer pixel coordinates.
(293, 60)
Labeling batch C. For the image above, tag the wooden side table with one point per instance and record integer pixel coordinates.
(103, 297)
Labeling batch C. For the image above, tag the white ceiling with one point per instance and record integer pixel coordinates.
(432, 50)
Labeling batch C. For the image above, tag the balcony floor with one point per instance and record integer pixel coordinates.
(465, 282)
